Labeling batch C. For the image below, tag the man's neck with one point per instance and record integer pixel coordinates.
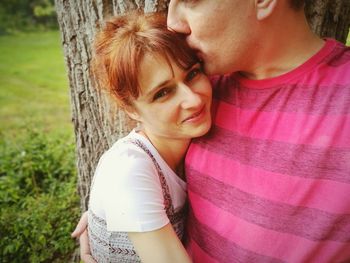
(284, 48)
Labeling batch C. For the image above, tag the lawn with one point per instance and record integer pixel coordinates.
(33, 84)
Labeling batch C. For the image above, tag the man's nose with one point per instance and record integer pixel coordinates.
(176, 19)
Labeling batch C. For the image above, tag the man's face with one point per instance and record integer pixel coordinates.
(221, 31)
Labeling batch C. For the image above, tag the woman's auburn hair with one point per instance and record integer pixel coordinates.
(121, 45)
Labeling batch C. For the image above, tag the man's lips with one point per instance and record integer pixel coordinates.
(196, 48)
(195, 116)
(199, 56)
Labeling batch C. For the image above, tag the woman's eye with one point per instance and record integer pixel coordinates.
(194, 72)
(161, 93)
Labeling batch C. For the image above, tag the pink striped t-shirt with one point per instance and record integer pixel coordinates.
(271, 180)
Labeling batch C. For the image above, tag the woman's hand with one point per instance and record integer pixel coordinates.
(81, 233)
(159, 246)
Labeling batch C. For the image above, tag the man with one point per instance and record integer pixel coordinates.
(270, 182)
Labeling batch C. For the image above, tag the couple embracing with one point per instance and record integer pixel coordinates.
(264, 155)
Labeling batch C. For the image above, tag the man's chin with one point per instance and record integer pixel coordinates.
(214, 69)
(211, 70)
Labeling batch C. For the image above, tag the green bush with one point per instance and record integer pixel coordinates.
(38, 200)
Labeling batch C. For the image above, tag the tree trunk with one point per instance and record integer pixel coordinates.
(97, 120)
(329, 18)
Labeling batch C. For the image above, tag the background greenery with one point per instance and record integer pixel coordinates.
(38, 200)
(24, 15)
(39, 205)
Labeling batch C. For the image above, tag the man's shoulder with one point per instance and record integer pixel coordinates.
(339, 58)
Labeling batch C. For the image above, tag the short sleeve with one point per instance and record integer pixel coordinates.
(131, 195)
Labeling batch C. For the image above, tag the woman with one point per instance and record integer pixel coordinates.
(138, 193)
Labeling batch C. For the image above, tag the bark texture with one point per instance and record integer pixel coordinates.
(97, 120)
(329, 18)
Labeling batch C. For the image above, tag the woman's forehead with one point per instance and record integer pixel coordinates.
(154, 70)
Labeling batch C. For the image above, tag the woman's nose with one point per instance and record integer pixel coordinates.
(189, 98)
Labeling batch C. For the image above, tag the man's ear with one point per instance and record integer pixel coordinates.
(264, 8)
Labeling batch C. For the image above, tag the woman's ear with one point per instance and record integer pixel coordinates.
(264, 8)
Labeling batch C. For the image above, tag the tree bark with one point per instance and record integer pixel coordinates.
(329, 18)
(97, 121)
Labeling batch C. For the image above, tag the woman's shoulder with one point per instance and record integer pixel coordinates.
(125, 160)
(124, 148)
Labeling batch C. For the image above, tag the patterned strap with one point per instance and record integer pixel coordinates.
(169, 208)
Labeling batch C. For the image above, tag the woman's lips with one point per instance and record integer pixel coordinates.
(196, 116)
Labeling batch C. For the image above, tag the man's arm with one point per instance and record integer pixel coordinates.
(85, 253)
(81, 226)
(81, 233)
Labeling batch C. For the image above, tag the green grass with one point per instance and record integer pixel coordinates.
(33, 84)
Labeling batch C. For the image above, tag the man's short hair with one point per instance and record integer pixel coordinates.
(297, 4)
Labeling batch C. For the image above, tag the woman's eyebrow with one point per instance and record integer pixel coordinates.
(163, 83)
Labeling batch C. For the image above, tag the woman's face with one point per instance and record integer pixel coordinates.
(174, 103)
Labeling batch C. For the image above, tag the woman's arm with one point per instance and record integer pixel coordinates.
(159, 246)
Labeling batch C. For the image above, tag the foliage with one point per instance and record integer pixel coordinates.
(22, 15)
(38, 200)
